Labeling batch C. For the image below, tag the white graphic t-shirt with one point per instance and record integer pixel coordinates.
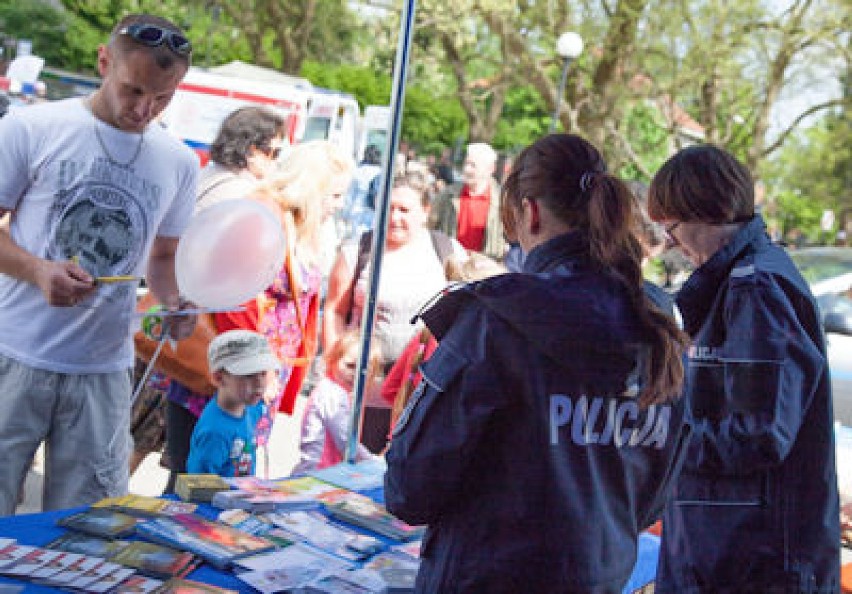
(73, 198)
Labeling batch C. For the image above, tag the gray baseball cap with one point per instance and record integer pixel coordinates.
(241, 352)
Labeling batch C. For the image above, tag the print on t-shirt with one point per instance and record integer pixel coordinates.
(100, 221)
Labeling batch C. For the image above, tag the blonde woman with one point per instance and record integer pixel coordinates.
(307, 187)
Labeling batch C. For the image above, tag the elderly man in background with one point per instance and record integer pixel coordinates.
(470, 211)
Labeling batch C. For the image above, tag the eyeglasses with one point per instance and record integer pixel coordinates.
(154, 35)
(671, 240)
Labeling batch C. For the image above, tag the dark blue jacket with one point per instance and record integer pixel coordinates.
(522, 448)
(755, 508)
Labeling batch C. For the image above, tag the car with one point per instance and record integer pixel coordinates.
(828, 271)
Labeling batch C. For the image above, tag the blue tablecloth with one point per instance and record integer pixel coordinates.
(40, 529)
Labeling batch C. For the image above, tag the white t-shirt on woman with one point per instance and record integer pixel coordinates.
(411, 275)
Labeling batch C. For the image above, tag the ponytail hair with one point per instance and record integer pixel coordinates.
(568, 176)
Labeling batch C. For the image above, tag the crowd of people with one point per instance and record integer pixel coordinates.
(537, 417)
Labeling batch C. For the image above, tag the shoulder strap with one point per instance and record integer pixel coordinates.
(364, 245)
(373, 190)
(224, 178)
(443, 245)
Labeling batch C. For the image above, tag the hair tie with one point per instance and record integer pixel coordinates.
(586, 181)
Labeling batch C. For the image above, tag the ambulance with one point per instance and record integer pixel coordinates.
(207, 96)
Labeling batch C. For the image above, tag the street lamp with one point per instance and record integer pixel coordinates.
(569, 46)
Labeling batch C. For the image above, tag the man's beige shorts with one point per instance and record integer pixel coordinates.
(84, 421)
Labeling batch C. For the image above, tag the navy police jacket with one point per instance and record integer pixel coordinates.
(755, 508)
(523, 449)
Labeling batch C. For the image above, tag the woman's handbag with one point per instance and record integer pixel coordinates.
(187, 362)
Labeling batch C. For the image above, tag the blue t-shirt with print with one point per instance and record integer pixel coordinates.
(222, 443)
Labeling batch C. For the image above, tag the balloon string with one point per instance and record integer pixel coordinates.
(148, 369)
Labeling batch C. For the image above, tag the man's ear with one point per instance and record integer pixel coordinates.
(104, 58)
(216, 377)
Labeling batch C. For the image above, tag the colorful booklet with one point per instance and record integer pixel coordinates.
(75, 571)
(156, 560)
(145, 506)
(260, 502)
(398, 572)
(182, 586)
(95, 573)
(11, 553)
(56, 565)
(314, 528)
(288, 569)
(138, 584)
(305, 486)
(216, 543)
(100, 522)
(108, 581)
(361, 476)
(258, 525)
(27, 564)
(94, 546)
(366, 513)
(361, 581)
(251, 483)
(199, 487)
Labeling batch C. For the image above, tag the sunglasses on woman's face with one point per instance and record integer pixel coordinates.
(154, 35)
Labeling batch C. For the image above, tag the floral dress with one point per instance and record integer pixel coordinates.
(285, 326)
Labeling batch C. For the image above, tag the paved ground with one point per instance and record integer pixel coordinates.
(150, 478)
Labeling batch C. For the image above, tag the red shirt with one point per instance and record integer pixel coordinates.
(472, 218)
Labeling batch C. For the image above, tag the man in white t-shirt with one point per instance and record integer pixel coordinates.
(94, 188)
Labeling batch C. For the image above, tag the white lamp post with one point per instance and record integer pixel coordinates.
(569, 46)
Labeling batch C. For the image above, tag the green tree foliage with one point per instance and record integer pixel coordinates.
(488, 70)
(37, 21)
(649, 142)
(429, 120)
(284, 33)
(525, 118)
(812, 174)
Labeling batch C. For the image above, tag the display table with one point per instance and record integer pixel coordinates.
(40, 529)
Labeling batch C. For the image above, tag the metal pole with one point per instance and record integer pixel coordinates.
(406, 29)
(562, 80)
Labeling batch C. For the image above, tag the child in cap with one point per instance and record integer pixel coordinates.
(223, 441)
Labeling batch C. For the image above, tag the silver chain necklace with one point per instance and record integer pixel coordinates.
(101, 142)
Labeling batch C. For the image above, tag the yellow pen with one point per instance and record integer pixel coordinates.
(115, 279)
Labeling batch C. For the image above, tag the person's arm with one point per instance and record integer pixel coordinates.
(162, 283)
(437, 438)
(338, 301)
(765, 381)
(63, 284)
(312, 441)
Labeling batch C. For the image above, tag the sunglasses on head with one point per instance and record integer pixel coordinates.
(154, 35)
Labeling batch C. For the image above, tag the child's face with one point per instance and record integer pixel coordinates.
(344, 369)
(241, 389)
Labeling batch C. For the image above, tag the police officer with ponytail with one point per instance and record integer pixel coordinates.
(547, 429)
